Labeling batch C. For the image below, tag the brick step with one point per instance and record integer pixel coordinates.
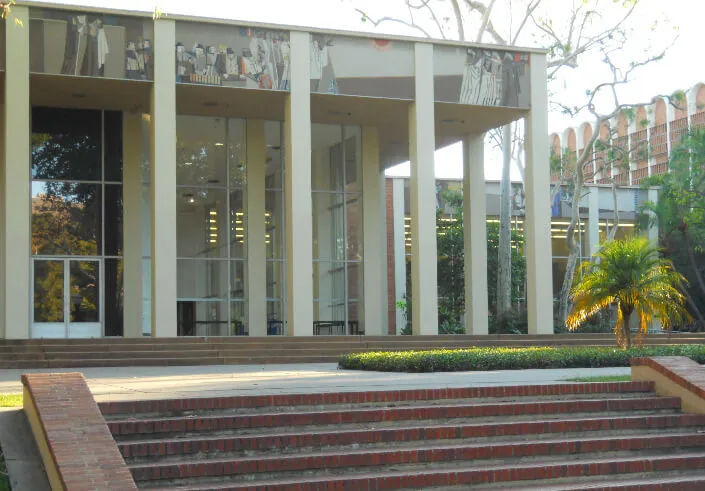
(462, 474)
(29, 356)
(373, 405)
(131, 347)
(251, 468)
(175, 407)
(120, 362)
(400, 435)
(661, 481)
(109, 355)
(338, 416)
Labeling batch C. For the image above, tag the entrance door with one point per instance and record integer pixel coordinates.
(67, 298)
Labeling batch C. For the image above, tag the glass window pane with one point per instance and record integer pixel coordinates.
(326, 157)
(66, 218)
(328, 226)
(198, 278)
(202, 223)
(354, 227)
(66, 144)
(202, 318)
(353, 157)
(238, 224)
(275, 276)
(237, 148)
(238, 279)
(113, 269)
(200, 151)
(275, 319)
(84, 284)
(274, 223)
(113, 220)
(238, 321)
(113, 145)
(48, 291)
(274, 151)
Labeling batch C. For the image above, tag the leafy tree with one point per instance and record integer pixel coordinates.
(680, 215)
(631, 275)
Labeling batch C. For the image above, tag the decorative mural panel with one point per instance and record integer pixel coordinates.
(481, 77)
(232, 56)
(90, 45)
(362, 67)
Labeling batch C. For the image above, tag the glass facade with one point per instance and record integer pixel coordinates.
(362, 67)
(232, 56)
(91, 44)
(77, 233)
(211, 207)
(336, 164)
(481, 77)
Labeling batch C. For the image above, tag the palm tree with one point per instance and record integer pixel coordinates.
(631, 275)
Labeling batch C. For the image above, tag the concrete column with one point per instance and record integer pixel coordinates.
(475, 235)
(651, 116)
(593, 231)
(256, 247)
(163, 181)
(538, 212)
(422, 145)
(652, 231)
(132, 223)
(16, 233)
(594, 220)
(398, 212)
(297, 192)
(374, 238)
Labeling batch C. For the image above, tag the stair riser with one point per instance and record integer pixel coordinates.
(116, 355)
(465, 477)
(270, 466)
(345, 439)
(387, 414)
(176, 406)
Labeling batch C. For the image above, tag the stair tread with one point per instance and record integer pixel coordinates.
(426, 448)
(691, 457)
(682, 420)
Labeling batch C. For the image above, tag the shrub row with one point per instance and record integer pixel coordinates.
(498, 358)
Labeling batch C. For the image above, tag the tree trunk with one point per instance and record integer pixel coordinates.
(693, 262)
(573, 250)
(627, 329)
(504, 250)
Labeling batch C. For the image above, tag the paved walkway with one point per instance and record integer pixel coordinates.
(134, 383)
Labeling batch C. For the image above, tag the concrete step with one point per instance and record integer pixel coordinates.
(334, 462)
(132, 355)
(190, 406)
(335, 416)
(400, 435)
(462, 475)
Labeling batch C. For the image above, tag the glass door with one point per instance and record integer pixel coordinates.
(67, 298)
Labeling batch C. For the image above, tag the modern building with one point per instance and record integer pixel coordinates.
(597, 218)
(199, 177)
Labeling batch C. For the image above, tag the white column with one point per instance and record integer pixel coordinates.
(132, 223)
(538, 212)
(651, 117)
(652, 231)
(475, 235)
(16, 233)
(256, 247)
(297, 191)
(398, 212)
(594, 219)
(422, 145)
(163, 181)
(374, 236)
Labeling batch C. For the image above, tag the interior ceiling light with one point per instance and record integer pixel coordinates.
(188, 163)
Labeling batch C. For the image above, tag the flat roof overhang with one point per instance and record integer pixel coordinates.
(390, 116)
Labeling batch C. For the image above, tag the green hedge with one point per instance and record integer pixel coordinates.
(498, 358)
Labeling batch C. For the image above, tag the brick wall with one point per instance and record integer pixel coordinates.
(78, 451)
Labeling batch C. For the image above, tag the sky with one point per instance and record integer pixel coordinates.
(680, 69)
